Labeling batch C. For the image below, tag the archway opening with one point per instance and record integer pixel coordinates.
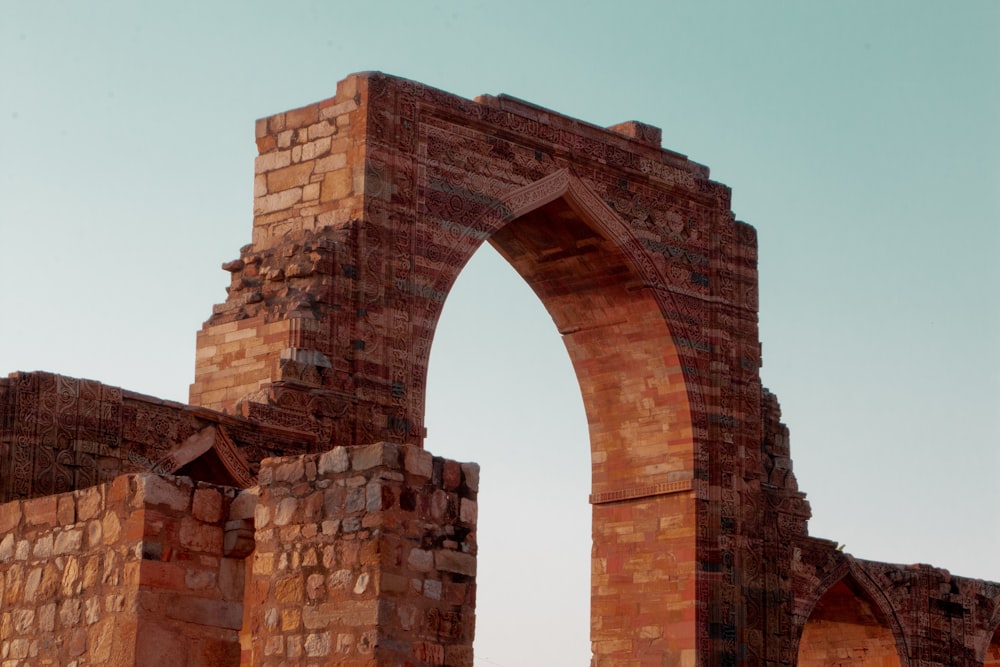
(992, 657)
(631, 381)
(847, 628)
(501, 392)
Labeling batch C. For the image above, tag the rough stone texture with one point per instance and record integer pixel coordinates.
(125, 576)
(362, 563)
(366, 207)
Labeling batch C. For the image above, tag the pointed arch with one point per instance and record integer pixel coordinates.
(988, 648)
(209, 455)
(609, 302)
(851, 618)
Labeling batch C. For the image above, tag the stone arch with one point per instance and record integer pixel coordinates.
(850, 619)
(608, 301)
(988, 650)
(532, 227)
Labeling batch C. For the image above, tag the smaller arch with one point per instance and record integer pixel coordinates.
(988, 649)
(852, 622)
(210, 456)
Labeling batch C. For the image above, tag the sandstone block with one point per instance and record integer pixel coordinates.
(279, 201)
(285, 511)
(89, 503)
(68, 541)
(289, 177)
(418, 462)
(40, 511)
(469, 511)
(272, 161)
(336, 185)
(289, 470)
(172, 492)
(421, 560)
(10, 516)
(201, 611)
(66, 509)
(455, 561)
(370, 456)
(244, 504)
(471, 473)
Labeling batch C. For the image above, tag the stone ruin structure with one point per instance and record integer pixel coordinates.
(289, 514)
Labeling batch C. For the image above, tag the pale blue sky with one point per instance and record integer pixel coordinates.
(861, 139)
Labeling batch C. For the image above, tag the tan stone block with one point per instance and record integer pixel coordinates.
(111, 528)
(291, 620)
(244, 504)
(470, 472)
(296, 175)
(198, 536)
(336, 460)
(316, 149)
(455, 561)
(288, 590)
(42, 547)
(323, 128)
(371, 456)
(66, 509)
(338, 109)
(207, 505)
(271, 161)
(318, 645)
(336, 185)
(418, 462)
(285, 511)
(40, 511)
(301, 117)
(331, 163)
(289, 470)
(70, 585)
(89, 503)
(311, 192)
(68, 541)
(7, 547)
(277, 202)
(469, 511)
(173, 492)
(100, 638)
(10, 516)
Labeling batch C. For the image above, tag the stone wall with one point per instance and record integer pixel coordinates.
(364, 556)
(59, 433)
(130, 572)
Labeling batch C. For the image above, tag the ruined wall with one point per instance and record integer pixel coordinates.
(364, 556)
(127, 573)
(59, 433)
(68, 575)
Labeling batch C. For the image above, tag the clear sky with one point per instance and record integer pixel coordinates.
(861, 139)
